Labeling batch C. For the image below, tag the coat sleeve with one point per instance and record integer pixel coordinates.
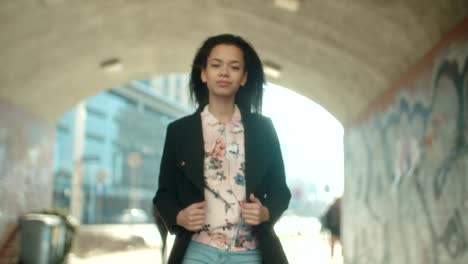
(278, 194)
(166, 200)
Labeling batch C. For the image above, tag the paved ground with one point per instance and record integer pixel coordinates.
(141, 244)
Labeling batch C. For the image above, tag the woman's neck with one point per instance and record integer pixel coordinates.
(222, 110)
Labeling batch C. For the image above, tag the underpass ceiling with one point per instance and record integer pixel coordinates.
(341, 54)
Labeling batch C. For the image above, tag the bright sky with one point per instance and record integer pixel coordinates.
(311, 138)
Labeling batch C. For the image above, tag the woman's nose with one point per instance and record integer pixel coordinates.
(224, 71)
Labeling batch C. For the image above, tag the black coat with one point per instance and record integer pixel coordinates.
(181, 179)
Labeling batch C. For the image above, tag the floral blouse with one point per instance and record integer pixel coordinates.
(224, 176)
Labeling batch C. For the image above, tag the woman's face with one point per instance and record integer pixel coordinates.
(224, 72)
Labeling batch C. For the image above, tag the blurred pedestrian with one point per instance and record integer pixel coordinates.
(331, 221)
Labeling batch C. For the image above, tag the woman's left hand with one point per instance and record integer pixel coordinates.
(254, 213)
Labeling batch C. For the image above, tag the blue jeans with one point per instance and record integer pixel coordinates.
(198, 253)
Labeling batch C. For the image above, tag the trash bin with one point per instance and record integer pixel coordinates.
(42, 239)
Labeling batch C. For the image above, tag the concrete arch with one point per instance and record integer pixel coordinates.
(339, 54)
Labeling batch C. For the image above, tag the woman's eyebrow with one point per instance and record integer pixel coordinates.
(230, 62)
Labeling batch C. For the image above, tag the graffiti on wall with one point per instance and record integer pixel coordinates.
(406, 171)
(26, 159)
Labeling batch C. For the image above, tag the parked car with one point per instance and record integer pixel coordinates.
(134, 216)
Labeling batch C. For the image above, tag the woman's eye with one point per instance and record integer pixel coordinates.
(215, 65)
(236, 68)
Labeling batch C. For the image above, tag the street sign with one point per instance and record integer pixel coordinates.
(134, 159)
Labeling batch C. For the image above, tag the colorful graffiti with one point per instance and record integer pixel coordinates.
(406, 171)
(26, 160)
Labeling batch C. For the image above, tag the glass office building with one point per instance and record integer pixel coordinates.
(124, 132)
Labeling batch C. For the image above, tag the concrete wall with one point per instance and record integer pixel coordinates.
(406, 165)
(26, 160)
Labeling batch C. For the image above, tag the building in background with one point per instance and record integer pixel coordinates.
(123, 141)
(124, 137)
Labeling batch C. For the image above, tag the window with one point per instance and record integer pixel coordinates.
(95, 137)
(123, 98)
(63, 129)
(151, 111)
(95, 112)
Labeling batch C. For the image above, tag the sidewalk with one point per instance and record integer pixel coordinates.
(304, 249)
(300, 237)
(140, 256)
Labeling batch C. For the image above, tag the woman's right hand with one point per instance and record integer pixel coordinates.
(192, 217)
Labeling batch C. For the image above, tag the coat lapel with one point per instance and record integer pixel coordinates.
(253, 155)
(195, 151)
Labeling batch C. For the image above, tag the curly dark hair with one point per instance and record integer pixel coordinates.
(249, 97)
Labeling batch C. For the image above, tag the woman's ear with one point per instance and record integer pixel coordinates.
(203, 75)
(244, 79)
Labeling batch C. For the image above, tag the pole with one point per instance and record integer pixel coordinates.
(76, 201)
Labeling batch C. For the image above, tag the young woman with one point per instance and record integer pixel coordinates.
(222, 181)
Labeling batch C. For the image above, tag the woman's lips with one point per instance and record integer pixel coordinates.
(223, 83)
